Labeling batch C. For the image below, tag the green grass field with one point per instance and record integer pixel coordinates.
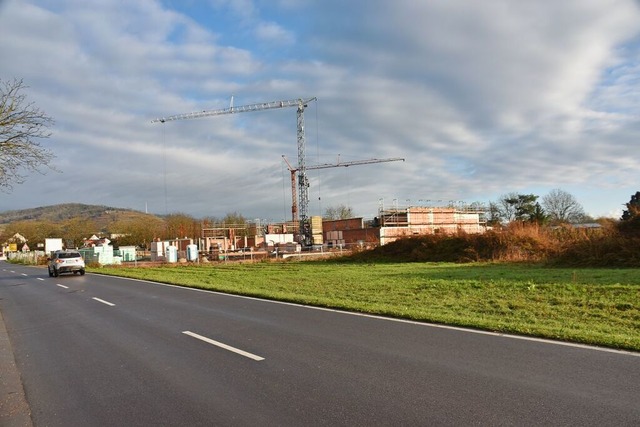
(592, 306)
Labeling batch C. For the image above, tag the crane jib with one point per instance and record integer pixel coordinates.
(301, 103)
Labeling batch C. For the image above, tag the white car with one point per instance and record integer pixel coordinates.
(65, 262)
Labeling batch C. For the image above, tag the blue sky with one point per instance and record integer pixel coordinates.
(481, 98)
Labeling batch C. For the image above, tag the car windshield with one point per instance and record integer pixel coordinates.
(69, 255)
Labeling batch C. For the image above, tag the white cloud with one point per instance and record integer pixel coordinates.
(481, 98)
(272, 32)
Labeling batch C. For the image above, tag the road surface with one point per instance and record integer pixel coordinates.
(95, 350)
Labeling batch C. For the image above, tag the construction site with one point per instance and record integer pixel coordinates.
(311, 232)
(390, 224)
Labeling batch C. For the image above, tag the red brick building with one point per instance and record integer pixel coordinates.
(393, 224)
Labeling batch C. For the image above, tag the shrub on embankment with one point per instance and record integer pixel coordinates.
(608, 246)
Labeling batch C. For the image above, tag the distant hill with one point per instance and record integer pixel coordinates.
(100, 214)
(56, 212)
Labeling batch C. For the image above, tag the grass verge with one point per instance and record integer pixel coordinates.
(591, 306)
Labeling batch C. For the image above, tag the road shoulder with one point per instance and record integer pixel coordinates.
(14, 409)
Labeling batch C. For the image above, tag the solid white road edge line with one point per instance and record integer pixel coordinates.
(62, 286)
(103, 301)
(221, 345)
(392, 319)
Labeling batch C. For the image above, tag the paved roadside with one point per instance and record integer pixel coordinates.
(14, 409)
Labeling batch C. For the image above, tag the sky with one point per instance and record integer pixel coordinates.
(481, 99)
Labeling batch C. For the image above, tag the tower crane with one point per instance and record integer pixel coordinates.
(292, 170)
(300, 105)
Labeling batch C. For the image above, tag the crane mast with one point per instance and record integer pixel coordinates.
(303, 182)
(300, 105)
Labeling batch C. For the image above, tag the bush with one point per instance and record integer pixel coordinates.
(519, 242)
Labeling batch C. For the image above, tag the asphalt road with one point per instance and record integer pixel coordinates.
(94, 350)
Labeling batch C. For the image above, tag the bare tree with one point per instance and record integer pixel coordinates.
(506, 211)
(21, 125)
(180, 225)
(76, 229)
(338, 212)
(561, 206)
(493, 214)
(139, 231)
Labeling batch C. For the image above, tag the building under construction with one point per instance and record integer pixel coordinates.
(390, 224)
(395, 223)
(236, 237)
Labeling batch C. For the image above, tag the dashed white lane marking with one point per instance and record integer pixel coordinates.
(23, 274)
(103, 301)
(41, 279)
(224, 346)
(62, 286)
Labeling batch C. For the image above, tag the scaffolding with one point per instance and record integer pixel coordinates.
(408, 216)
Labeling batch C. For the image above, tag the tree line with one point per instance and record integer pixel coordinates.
(557, 207)
(138, 230)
